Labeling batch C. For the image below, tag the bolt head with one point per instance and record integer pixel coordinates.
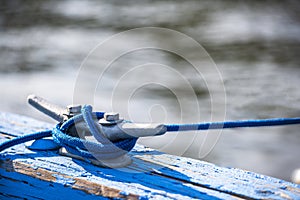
(111, 116)
(74, 109)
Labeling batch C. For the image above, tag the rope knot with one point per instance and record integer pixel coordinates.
(103, 149)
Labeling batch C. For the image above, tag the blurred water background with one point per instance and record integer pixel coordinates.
(255, 45)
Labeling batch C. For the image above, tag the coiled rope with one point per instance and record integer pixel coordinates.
(105, 149)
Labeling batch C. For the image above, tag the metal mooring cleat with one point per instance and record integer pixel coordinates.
(112, 127)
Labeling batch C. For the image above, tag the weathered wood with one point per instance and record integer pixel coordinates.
(152, 175)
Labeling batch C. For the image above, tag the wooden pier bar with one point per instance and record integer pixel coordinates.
(31, 174)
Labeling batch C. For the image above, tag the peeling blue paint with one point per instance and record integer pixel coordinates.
(124, 193)
(32, 188)
(152, 175)
(63, 180)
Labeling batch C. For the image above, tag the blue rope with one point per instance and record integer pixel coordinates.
(233, 124)
(24, 138)
(105, 149)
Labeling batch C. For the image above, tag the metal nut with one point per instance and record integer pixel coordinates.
(111, 116)
(73, 109)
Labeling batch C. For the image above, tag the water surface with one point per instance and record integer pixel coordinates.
(254, 44)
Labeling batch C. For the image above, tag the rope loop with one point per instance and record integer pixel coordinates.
(103, 149)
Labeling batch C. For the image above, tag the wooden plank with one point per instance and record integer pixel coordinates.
(152, 175)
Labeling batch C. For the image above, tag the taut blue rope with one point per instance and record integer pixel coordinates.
(233, 124)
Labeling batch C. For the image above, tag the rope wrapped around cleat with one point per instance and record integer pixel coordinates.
(102, 149)
(106, 149)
